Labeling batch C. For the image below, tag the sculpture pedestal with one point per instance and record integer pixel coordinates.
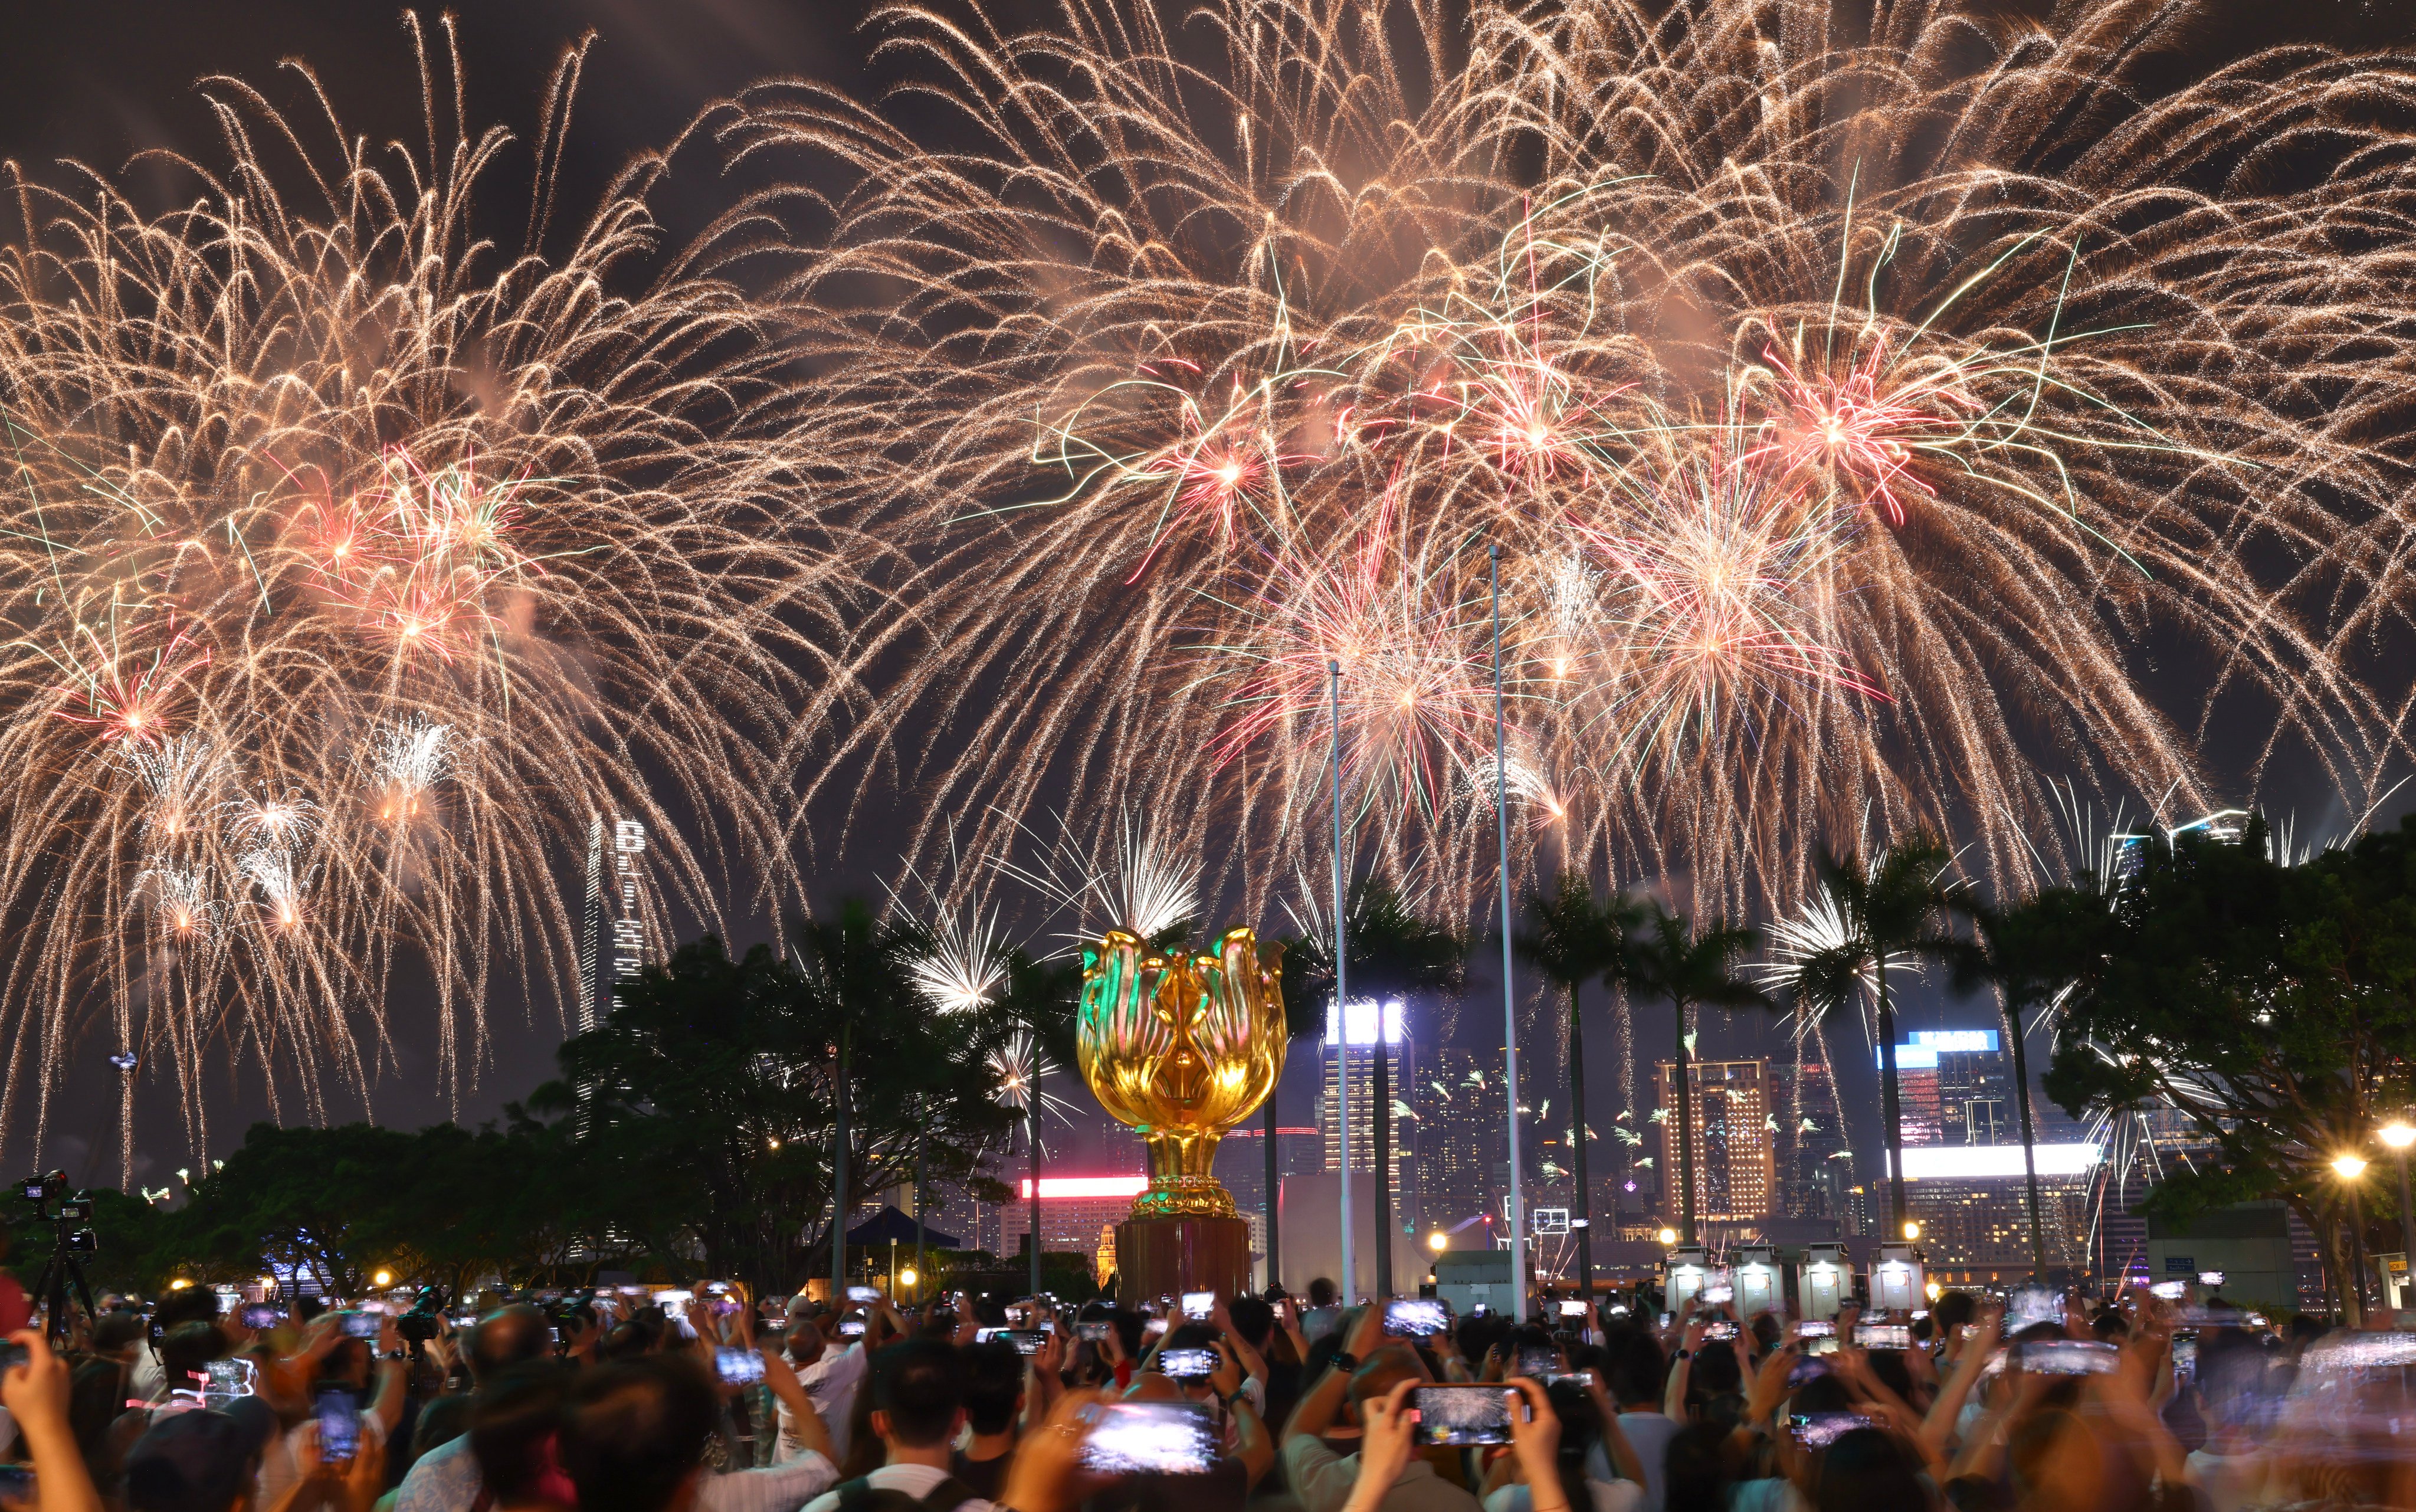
(1168, 1256)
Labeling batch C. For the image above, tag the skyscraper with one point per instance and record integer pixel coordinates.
(1735, 1166)
(1957, 1088)
(1806, 1141)
(1463, 1137)
(1400, 1063)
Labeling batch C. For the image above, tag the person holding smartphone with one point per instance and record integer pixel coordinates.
(366, 1375)
(831, 1370)
(1362, 1372)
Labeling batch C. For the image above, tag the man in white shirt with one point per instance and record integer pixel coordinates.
(917, 1408)
(830, 1371)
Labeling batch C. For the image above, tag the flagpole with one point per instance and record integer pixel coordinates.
(1509, 1013)
(1342, 1015)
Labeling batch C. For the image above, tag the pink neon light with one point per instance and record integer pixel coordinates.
(1086, 1186)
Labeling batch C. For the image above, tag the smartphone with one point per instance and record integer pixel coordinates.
(339, 1427)
(1578, 1309)
(1884, 1335)
(229, 1379)
(1719, 1333)
(17, 1484)
(1187, 1364)
(259, 1315)
(851, 1328)
(1199, 1305)
(1818, 1430)
(2167, 1291)
(1809, 1368)
(2069, 1356)
(864, 1294)
(1456, 1415)
(1154, 1327)
(362, 1324)
(2185, 1356)
(1415, 1318)
(2032, 1305)
(1097, 1332)
(1538, 1362)
(738, 1367)
(1816, 1330)
(1713, 1296)
(986, 1336)
(1028, 1341)
(1169, 1438)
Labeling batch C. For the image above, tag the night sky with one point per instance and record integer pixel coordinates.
(101, 81)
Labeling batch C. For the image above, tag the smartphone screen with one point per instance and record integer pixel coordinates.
(864, 1294)
(2068, 1357)
(1538, 1361)
(1096, 1332)
(230, 1379)
(1884, 1335)
(339, 1427)
(1461, 1415)
(1154, 1327)
(1199, 1305)
(1187, 1364)
(1027, 1341)
(1718, 1333)
(1415, 1318)
(1578, 1309)
(851, 1328)
(1170, 1438)
(362, 1324)
(1810, 1368)
(2185, 1357)
(1816, 1330)
(1818, 1430)
(2032, 1305)
(739, 1367)
(260, 1315)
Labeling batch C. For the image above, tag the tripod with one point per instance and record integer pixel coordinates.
(65, 1266)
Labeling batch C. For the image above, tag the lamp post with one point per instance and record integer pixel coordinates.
(2348, 1168)
(1341, 1002)
(2397, 1136)
(1509, 1004)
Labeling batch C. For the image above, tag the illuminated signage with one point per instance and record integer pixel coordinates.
(1055, 1186)
(1962, 1162)
(1360, 1014)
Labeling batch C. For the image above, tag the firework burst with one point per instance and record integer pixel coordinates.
(1893, 456)
(351, 566)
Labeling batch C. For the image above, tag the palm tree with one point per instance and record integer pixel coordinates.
(855, 970)
(1576, 939)
(1394, 953)
(1687, 968)
(1891, 911)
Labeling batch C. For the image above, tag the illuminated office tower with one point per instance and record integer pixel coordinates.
(1463, 1140)
(1735, 1164)
(1972, 1204)
(1400, 1065)
(1806, 1139)
(612, 943)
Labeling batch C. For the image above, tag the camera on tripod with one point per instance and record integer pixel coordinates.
(55, 1199)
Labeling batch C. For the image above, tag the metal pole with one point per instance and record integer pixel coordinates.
(920, 1271)
(1509, 1011)
(1341, 1013)
(839, 1181)
(1274, 1191)
(2355, 1317)
(1032, 1134)
(2406, 1222)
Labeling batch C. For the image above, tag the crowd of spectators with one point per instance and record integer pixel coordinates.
(712, 1402)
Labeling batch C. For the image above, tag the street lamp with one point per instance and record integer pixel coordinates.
(2348, 1168)
(1669, 1236)
(2397, 1136)
(1438, 1241)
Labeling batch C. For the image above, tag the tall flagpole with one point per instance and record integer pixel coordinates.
(1342, 1015)
(1509, 1013)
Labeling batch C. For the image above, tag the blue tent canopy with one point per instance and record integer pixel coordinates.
(890, 1226)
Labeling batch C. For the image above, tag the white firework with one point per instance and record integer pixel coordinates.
(283, 887)
(181, 779)
(409, 759)
(1022, 1069)
(279, 820)
(961, 967)
(180, 901)
(1142, 887)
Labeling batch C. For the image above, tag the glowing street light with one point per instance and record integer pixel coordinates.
(2397, 1136)
(1438, 1241)
(2349, 1167)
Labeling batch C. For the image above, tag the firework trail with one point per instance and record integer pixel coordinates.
(350, 561)
(1845, 458)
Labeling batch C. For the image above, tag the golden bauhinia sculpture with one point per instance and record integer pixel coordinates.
(1182, 1047)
